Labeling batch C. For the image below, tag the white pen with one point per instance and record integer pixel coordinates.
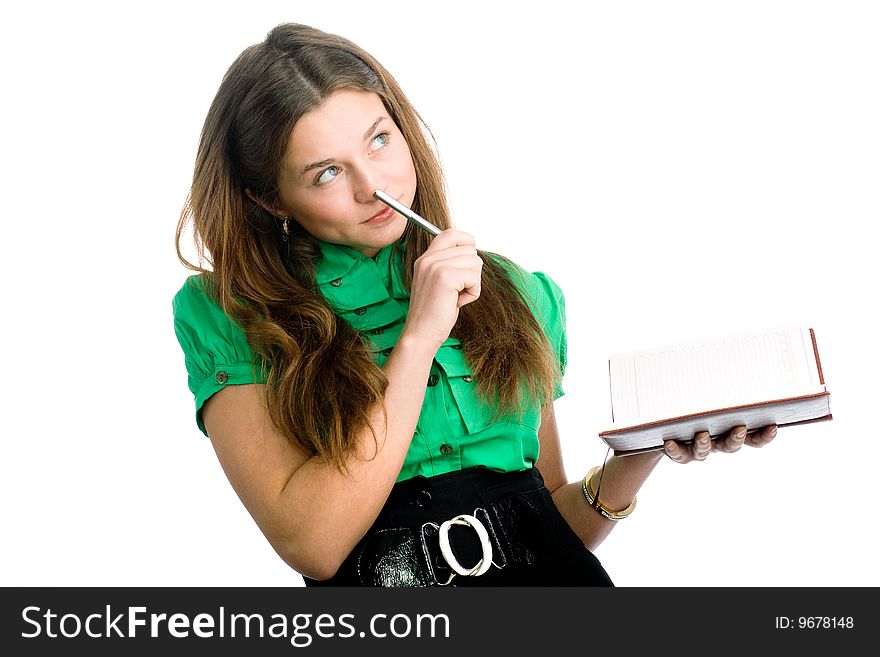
(419, 221)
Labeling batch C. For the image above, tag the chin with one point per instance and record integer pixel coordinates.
(393, 231)
(388, 235)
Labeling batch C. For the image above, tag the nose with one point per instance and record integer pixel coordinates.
(366, 182)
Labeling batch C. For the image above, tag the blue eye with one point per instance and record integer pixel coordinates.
(380, 140)
(327, 175)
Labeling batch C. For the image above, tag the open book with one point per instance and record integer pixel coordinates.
(770, 376)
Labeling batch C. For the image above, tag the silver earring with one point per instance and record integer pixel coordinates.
(285, 230)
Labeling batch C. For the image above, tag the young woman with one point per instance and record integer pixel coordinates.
(380, 399)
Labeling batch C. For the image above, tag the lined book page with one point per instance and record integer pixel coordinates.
(714, 373)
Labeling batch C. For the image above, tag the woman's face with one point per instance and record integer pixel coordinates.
(337, 156)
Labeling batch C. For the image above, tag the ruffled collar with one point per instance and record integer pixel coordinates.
(370, 295)
(350, 279)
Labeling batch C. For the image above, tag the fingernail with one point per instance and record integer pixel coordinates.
(740, 434)
(773, 432)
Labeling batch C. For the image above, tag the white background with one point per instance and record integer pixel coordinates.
(682, 169)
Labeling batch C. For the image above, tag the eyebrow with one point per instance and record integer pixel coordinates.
(329, 161)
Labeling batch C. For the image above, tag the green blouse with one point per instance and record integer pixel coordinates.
(454, 429)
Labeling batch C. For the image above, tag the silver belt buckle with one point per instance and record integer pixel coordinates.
(485, 562)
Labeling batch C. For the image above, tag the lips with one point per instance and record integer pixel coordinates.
(382, 215)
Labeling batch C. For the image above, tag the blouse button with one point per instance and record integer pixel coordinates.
(446, 449)
(456, 346)
(432, 380)
(360, 311)
(336, 283)
(222, 377)
(467, 379)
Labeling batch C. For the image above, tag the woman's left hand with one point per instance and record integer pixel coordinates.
(703, 445)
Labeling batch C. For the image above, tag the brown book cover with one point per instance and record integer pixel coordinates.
(789, 388)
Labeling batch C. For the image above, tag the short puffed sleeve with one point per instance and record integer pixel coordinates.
(547, 303)
(215, 349)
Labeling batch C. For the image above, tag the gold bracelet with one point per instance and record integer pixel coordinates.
(593, 500)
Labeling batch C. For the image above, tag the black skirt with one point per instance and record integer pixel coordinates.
(476, 527)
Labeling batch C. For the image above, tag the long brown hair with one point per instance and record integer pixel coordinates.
(322, 377)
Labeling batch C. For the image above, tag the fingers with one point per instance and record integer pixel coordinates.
(458, 268)
(699, 450)
(446, 276)
(453, 261)
(703, 445)
(675, 451)
(449, 238)
(733, 442)
(451, 247)
(452, 253)
(762, 437)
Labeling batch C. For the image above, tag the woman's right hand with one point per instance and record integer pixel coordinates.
(446, 277)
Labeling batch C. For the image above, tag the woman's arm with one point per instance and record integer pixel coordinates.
(312, 514)
(622, 477)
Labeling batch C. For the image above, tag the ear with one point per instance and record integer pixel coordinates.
(268, 207)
